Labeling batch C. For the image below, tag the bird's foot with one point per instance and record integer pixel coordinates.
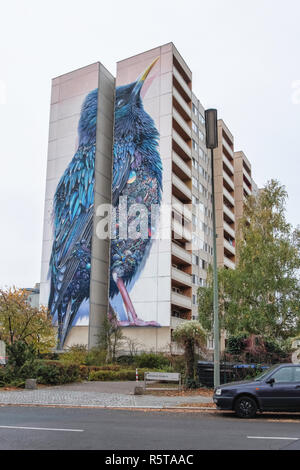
(124, 323)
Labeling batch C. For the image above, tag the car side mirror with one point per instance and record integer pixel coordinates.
(270, 381)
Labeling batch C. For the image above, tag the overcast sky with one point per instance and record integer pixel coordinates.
(244, 55)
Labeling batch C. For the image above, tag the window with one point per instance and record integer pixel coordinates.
(195, 163)
(194, 299)
(194, 182)
(195, 111)
(201, 118)
(201, 135)
(195, 260)
(195, 145)
(287, 374)
(195, 200)
(201, 153)
(195, 127)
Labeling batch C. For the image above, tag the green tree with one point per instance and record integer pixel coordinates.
(262, 295)
(20, 322)
(189, 335)
(111, 337)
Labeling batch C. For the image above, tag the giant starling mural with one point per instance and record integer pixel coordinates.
(137, 177)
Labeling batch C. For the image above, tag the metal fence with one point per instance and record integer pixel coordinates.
(229, 372)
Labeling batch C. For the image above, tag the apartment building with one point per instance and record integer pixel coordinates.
(149, 285)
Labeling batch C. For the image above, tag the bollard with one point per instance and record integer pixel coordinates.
(30, 384)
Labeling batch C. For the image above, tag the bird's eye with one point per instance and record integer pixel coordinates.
(120, 103)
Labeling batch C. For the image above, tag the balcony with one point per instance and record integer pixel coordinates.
(184, 209)
(181, 300)
(181, 277)
(228, 148)
(229, 247)
(228, 180)
(182, 123)
(181, 253)
(247, 189)
(229, 230)
(228, 196)
(182, 83)
(228, 163)
(181, 232)
(247, 173)
(182, 103)
(184, 191)
(228, 263)
(175, 321)
(228, 212)
(180, 163)
(182, 144)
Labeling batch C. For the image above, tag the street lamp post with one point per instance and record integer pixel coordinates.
(211, 143)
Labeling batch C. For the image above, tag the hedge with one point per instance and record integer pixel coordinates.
(123, 374)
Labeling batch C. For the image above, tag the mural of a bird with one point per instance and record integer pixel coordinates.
(137, 176)
(70, 262)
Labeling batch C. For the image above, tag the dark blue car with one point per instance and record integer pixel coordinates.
(276, 389)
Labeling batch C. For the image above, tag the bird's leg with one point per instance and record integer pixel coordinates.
(133, 319)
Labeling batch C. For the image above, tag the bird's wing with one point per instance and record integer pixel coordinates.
(73, 221)
(123, 155)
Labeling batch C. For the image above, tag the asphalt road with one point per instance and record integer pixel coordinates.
(40, 428)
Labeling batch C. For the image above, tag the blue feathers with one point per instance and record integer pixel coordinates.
(137, 174)
(73, 218)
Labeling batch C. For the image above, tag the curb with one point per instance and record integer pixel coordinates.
(129, 407)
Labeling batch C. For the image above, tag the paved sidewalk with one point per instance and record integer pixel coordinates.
(100, 394)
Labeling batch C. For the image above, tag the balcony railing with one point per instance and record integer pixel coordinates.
(181, 300)
(181, 231)
(247, 189)
(175, 321)
(229, 247)
(182, 123)
(184, 209)
(228, 212)
(228, 163)
(228, 148)
(182, 187)
(181, 253)
(228, 263)
(228, 196)
(182, 82)
(228, 179)
(181, 277)
(229, 230)
(179, 140)
(182, 102)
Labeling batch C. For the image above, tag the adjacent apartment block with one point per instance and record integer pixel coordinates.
(128, 213)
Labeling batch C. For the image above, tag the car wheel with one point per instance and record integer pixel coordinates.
(245, 407)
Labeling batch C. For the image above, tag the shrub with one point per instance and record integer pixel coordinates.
(152, 360)
(75, 354)
(96, 357)
(56, 373)
(122, 374)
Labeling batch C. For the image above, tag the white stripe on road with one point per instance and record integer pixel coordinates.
(283, 438)
(41, 429)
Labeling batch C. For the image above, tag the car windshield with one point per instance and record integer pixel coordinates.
(266, 372)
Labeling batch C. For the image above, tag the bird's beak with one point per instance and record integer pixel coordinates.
(141, 79)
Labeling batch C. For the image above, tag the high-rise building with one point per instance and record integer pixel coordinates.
(128, 212)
